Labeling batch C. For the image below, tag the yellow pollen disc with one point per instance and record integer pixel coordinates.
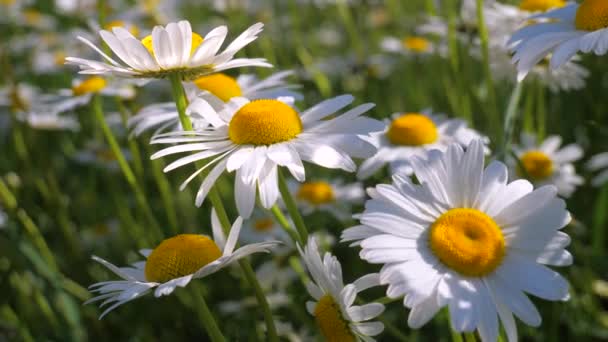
(592, 15)
(537, 165)
(316, 193)
(264, 122)
(220, 85)
(90, 85)
(59, 57)
(540, 5)
(263, 225)
(119, 23)
(179, 256)
(412, 129)
(467, 241)
(330, 321)
(32, 16)
(416, 44)
(197, 40)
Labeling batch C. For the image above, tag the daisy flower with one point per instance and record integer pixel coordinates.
(414, 134)
(599, 162)
(254, 138)
(465, 238)
(170, 50)
(563, 32)
(263, 227)
(410, 45)
(100, 155)
(83, 90)
(174, 262)
(547, 163)
(336, 316)
(217, 89)
(331, 196)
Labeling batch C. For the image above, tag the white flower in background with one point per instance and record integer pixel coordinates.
(100, 155)
(216, 89)
(254, 138)
(83, 90)
(467, 239)
(334, 197)
(562, 32)
(347, 67)
(173, 263)
(262, 226)
(414, 134)
(599, 162)
(547, 163)
(169, 50)
(234, 307)
(3, 218)
(410, 45)
(336, 316)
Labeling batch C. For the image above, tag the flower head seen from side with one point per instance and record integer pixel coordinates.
(547, 163)
(170, 50)
(410, 45)
(254, 138)
(561, 32)
(83, 90)
(414, 134)
(334, 197)
(465, 238)
(216, 89)
(174, 263)
(599, 162)
(336, 316)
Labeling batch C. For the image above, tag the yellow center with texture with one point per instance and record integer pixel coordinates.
(91, 85)
(220, 85)
(316, 193)
(197, 40)
(537, 164)
(592, 15)
(134, 30)
(412, 129)
(467, 241)
(264, 122)
(179, 256)
(330, 321)
(540, 5)
(416, 44)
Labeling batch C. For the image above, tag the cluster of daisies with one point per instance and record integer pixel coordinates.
(449, 230)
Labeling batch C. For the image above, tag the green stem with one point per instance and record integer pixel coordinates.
(485, 53)
(470, 337)
(133, 147)
(430, 7)
(208, 320)
(292, 208)
(278, 215)
(541, 112)
(180, 101)
(122, 161)
(510, 119)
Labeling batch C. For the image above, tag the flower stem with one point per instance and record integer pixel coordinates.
(469, 337)
(181, 101)
(207, 317)
(510, 118)
(292, 208)
(122, 162)
(278, 215)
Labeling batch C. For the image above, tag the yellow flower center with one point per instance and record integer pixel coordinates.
(540, 5)
(467, 241)
(316, 193)
(592, 15)
(412, 129)
(105, 155)
(330, 321)
(416, 44)
(264, 122)
(59, 57)
(18, 103)
(537, 165)
(197, 40)
(179, 256)
(32, 16)
(220, 85)
(119, 23)
(90, 85)
(101, 230)
(263, 225)
(7, 2)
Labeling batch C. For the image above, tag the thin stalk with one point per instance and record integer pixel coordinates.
(290, 203)
(122, 162)
(207, 317)
(133, 147)
(541, 112)
(278, 215)
(180, 101)
(164, 188)
(485, 53)
(430, 7)
(510, 119)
